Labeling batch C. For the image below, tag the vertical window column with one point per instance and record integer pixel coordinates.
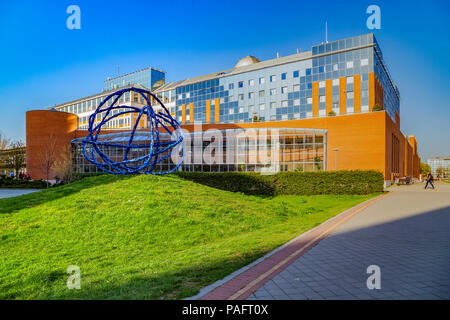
(208, 111)
(191, 113)
(217, 110)
(183, 114)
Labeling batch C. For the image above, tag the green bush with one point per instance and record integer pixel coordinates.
(292, 182)
(17, 183)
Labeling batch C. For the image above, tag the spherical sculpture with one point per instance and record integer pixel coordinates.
(154, 145)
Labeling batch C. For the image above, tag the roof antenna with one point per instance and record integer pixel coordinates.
(326, 32)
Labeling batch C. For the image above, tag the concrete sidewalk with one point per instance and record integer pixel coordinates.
(406, 234)
(7, 193)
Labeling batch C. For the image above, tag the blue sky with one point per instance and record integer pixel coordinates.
(43, 63)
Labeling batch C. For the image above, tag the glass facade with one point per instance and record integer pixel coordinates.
(285, 90)
(146, 78)
(260, 150)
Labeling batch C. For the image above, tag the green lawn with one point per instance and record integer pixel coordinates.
(143, 237)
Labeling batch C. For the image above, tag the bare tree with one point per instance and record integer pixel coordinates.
(48, 156)
(16, 158)
(4, 142)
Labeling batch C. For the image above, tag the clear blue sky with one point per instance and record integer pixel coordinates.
(42, 63)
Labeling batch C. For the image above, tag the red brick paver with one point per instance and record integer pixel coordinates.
(241, 286)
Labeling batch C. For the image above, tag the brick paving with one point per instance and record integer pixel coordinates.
(406, 234)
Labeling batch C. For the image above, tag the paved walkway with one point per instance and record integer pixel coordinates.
(7, 193)
(406, 234)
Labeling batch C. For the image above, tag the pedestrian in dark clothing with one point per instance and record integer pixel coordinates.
(429, 180)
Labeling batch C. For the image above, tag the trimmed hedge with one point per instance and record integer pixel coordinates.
(291, 183)
(17, 183)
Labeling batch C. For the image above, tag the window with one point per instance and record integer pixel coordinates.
(322, 99)
(273, 78)
(309, 100)
(296, 102)
(231, 111)
(350, 95)
(284, 104)
(241, 110)
(296, 87)
(283, 90)
(349, 79)
(231, 86)
(364, 62)
(335, 82)
(335, 67)
(262, 106)
(230, 98)
(262, 80)
(251, 95)
(295, 74)
(349, 64)
(283, 76)
(251, 82)
(241, 96)
(261, 93)
(308, 72)
(273, 105)
(273, 92)
(321, 84)
(241, 84)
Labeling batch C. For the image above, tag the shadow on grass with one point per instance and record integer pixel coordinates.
(14, 204)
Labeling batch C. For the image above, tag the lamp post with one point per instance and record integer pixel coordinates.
(335, 157)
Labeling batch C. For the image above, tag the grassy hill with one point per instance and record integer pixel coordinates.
(143, 237)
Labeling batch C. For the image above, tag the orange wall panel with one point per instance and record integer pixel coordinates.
(357, 93)
(329, 95)
(315, 98)
(217, 110)
(371, 90)
(342, 95)
(183, 113)
(208, 111)
(191, 112)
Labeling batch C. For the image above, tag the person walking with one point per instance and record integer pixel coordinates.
(429, 180)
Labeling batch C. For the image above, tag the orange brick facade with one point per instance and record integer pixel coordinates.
(365, 140)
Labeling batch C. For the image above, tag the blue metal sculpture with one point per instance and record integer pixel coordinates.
(163, 137)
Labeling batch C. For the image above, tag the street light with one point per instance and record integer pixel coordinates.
(335, 158)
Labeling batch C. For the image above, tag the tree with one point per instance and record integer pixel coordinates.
(377, 107)
(47, 156)
(4, 142)
(424, 168)
(441, 171)
(16, 158)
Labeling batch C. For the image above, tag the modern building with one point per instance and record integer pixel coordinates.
(440, 165)
(342, 89)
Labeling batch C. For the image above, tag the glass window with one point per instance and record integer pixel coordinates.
(261, 93)
(309, 100)
(251, 95)
(273, 91)
(284, 103)
(349, 79)
(350, 95)
(231, 86)
(251, 82)
(273, 78)
(321, 84)
(296, 87)
(283, 76)
(364, 62)
(262, 106)
(241, 96)
(335, 82)
(349, 64)
(273, 105)
(241, 84)
(262, 80)
(295, 74)
(283, 90)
